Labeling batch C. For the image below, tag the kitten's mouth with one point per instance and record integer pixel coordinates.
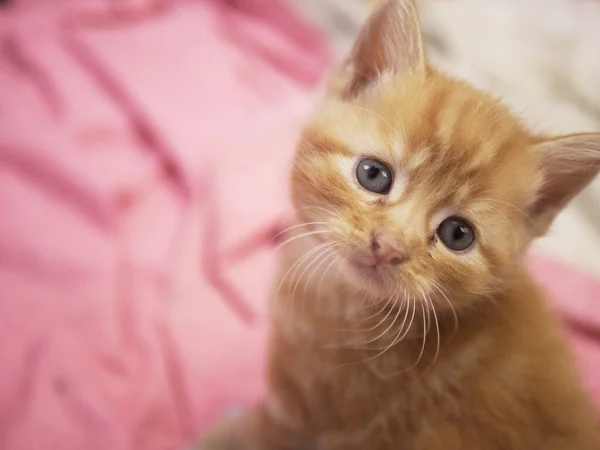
(369, 270)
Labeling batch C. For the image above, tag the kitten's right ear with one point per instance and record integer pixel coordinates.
(567, 165)
(390, 41)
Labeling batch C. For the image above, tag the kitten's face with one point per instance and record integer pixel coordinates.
(421, 184)
(424, 186)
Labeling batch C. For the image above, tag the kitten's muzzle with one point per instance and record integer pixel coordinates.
(386, 250)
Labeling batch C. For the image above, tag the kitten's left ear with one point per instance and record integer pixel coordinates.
(390, 41)
(567, 164)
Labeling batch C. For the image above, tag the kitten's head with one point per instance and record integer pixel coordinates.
(423, 183)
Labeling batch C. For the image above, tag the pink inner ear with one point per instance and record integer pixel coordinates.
(568, 164)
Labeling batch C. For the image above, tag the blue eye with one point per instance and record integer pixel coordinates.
(374, 176)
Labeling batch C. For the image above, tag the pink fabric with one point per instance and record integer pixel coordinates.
(143, 155)
(138, 148)
(577, 297)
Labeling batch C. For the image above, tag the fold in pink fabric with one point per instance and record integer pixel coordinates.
(143, 156)
(144, 149)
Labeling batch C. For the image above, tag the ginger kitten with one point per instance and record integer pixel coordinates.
(404, 318)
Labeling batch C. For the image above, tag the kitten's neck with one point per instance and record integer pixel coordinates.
(340, 315)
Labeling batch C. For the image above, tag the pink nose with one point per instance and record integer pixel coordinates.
(386, 251)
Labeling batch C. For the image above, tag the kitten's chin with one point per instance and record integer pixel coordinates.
(367, 276)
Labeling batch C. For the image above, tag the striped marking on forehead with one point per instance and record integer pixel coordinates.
(359, 129)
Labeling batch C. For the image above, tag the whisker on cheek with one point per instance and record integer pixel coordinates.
(300, 236)
(326, 271)
(298, 261)
(305, 224)
(378, 324)
(422, 304)
(322, 249)
(401, 335)
(436, 286)
(323, 209)
(431, 307)
(322, 256)
(370, 317)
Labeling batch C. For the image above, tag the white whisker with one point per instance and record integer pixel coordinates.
(323, 251)
(298, 261)
(510, 205)
(365, 319)
(374, 327)
(436, 286)
(372, 340)
(324, 274)
(324, 256)
(437, 327)
(507, 220)
(394, 341)
(310, 233)
(299, 226)
(384, 332)
(328, 211)
(405, 333)
(423, 305)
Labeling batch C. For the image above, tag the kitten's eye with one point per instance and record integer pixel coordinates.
(374, 176)
(456, 234)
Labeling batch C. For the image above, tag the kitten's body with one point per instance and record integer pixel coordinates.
(385, 336)
(503, 379)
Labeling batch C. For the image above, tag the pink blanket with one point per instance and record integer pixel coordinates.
(143, 155)
(137, 148)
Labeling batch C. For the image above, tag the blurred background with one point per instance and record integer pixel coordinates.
(144, 151)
